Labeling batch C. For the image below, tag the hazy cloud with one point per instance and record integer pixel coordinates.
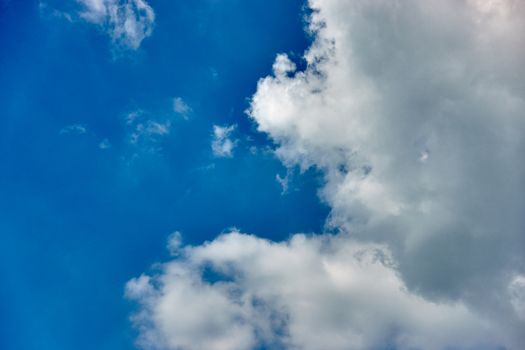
(222, 145)
(127, 22)
(145, 131)
(181, 107)
(104, 144)
(75, 129)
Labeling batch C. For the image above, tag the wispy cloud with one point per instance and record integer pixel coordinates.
(74, 129)
(48, 12)
(104, 144)
(146, 131)
(222, 144)
(181, 107)
(283, 181)
(127, 22)
(149, 130)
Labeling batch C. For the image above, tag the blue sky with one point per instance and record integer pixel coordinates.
(262, 174)
(79, 221)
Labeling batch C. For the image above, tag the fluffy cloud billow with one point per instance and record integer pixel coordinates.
(306, 293)
(415, 113)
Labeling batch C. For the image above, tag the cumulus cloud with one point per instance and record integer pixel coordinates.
(418, 126)
(222, 145)
(306, 293)
(127, 22)
(414, 111)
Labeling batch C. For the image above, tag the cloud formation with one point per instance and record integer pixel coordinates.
(147, 132)
(75, 129)
(222, 145)
(127, 22)
(306, 293)
(414, 111)
(181, 107)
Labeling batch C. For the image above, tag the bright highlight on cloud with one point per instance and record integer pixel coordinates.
(127, 22)
(414, 111)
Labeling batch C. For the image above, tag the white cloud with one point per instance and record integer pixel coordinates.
(149, 130)
(127, 22)
(417, 124)
(222, 145)
(414, 112)
(307, 293)
(75, 129)
(181, 107)
(174, 243)
(283, 181)
(283, 66)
